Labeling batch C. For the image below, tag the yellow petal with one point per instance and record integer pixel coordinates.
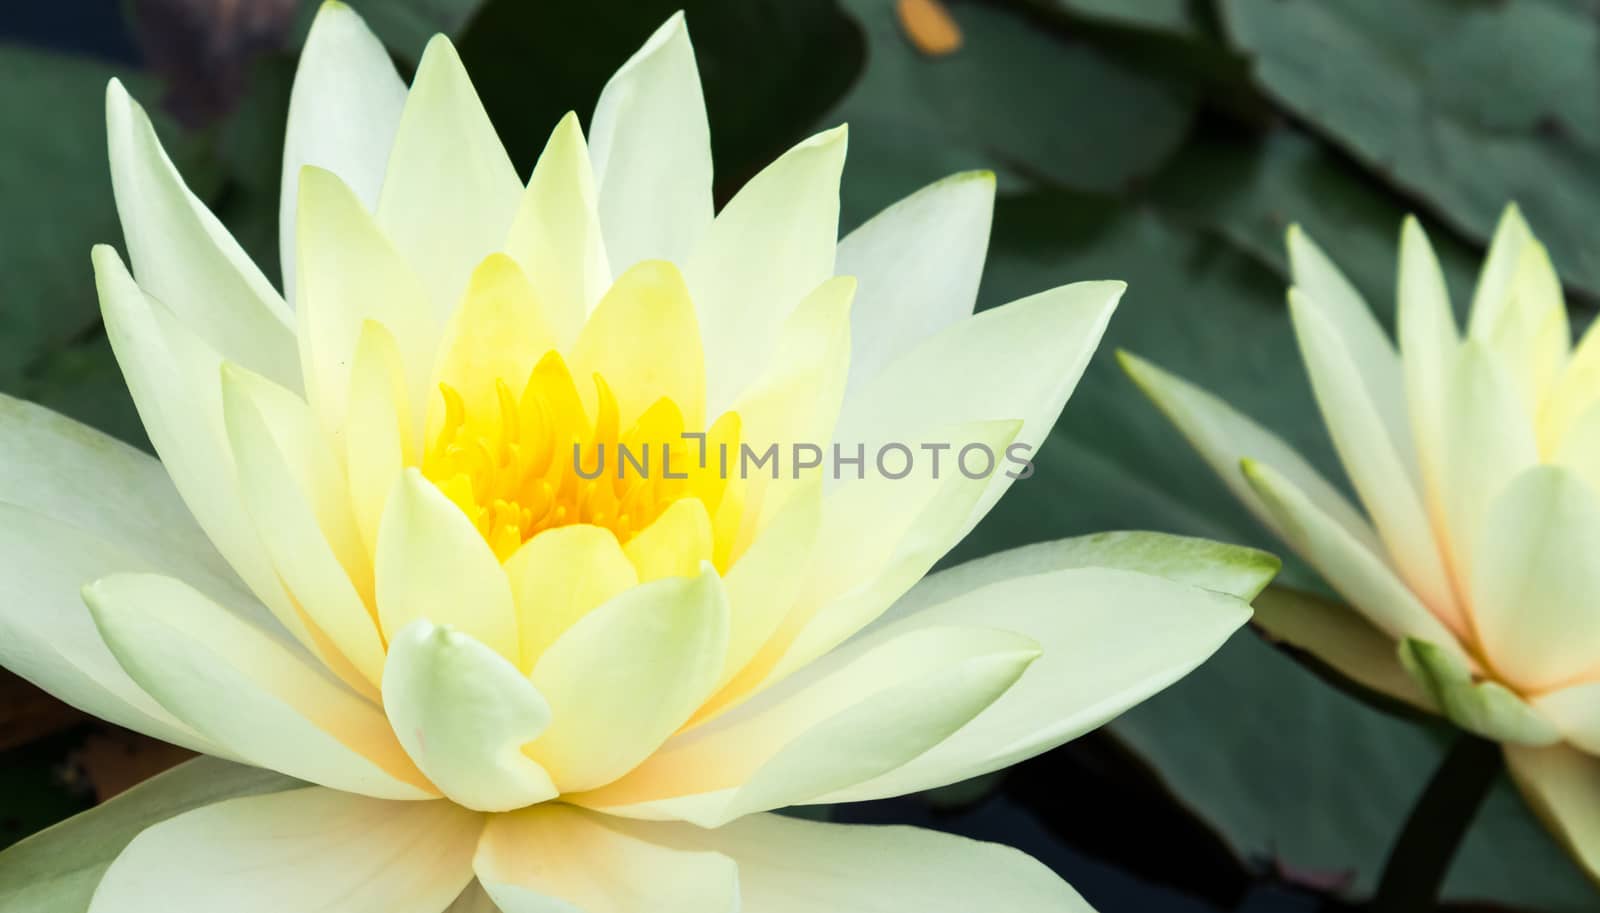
(561, 575)
(378, 438)
(556, 235)
(674, 545)
(450, 191)
(623, 678)
(555, 857)
(262, 699)
(433, 564)
(643, 337)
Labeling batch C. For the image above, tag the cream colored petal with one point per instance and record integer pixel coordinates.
(787, 865)
(450, 192)
(496, 337)
(1373, 362)
(797, 398)
(918, 263)
(186, 258)
(623, 678)
(48, 637)
(643, 338)
(1574, 395)
(1340, 637)
(1358, 575)
(561, 575)
(433, 565)
(878, 537)
(556, 235)
(1535, 583)
(70, 472)
(1018, 361)
(1428, 339)
(1574, 710)
(1224, 437)
(1532, 338)
(651, 148)
(1489, 436)
(1110, 638)
(557, 859)
(1494, 293)
(1382, 470)
(378, 439)
(350, 274)
(343, 111)
(175, 382)
(304, 850)
(464, 713)
(768, 248)
(675, 544)
(1562, 785)
(836, 731)
(1485, 708)
(58, 868)
(294, 489)
(249, 689)
(765, 583)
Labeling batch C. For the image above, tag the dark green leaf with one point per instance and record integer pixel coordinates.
(1467, 104)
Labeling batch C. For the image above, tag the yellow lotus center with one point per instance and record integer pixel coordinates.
(541, 460)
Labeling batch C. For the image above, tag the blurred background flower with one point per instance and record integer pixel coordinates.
(1167, 142)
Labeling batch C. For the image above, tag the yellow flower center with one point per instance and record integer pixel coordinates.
(542, 461)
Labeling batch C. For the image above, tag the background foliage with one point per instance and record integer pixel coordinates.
(1168, 142)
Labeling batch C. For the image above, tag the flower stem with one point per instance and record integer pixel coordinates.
(1420, 858)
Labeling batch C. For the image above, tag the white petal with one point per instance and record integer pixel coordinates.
(450, 192)
(463, 713)
(1018, 361)
(651, 148)
(1340, 637)
(175, 381)
(293, 487)
(351, 274)
(830, 732)
(1350, 568)
(1224, 437)
(1493, 297)
(1110, 639)
(557, 859)
(343, 111)
(769, 247)
(787, 865)
(308, 850)
(186, 258)
(58, 868)
(1535, 582)
(1428, 338)
(1575, 711)
(918, 263)
(48, 637)
(627, 675)
(70, 472)
(1350, 321)
(556, 236)
(1380, 467)
(433, 564)
(1562, 785)
(1490, 439)
(247, 689)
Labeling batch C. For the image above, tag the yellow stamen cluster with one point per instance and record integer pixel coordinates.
(542, 462)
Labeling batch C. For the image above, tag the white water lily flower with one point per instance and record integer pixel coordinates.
(1476, 458)
(367, 559)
